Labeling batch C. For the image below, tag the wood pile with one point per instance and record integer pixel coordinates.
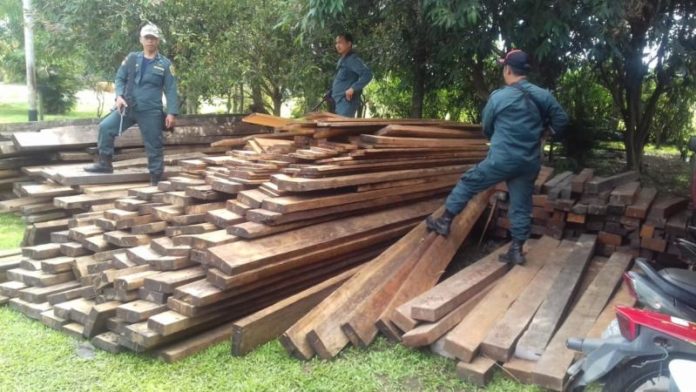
(232, 243)
(40, 163)
(624, 215)
(488, 316)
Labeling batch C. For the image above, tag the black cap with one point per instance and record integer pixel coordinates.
(516, 59)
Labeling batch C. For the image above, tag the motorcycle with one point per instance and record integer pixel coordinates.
(638, 358)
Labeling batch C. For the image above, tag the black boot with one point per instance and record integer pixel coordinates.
(155, 179)
(440, 225)
(103, 165)
(514, 254)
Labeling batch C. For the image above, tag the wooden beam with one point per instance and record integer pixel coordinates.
(500, 342)
(464, 340)
(244, 256)
(428, 333)
(297, 184)
(459, 288)
(267, 324)
(550, 371)
(550, 314)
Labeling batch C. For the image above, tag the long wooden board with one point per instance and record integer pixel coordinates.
(243, 256)
(267, 324)
(328, 339)
(428, 333)
(459, 288)
(352, 292)
(550, 371)
(464, 340)
(500, 341)
(532, 344)
(297, 184)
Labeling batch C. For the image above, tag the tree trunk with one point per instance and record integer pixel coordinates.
(240, 108)
(418, 95)
(277, 102)
(257, 104)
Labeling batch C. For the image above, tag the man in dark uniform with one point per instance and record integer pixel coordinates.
(140, 81)
(352, 75)
(514, 119)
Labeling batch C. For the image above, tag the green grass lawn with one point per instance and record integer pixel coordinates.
(36, 358)
(11, 231)
(17, 112)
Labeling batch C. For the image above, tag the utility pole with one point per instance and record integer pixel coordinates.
(29, 56)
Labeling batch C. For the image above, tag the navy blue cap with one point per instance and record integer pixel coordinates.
(516, 59)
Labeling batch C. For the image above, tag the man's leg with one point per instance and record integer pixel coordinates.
(151, 124)
(108, 130)
(520, 189)
(475, 180)
(347, 108)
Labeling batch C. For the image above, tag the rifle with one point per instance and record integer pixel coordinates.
(326, 98)
(128, 89)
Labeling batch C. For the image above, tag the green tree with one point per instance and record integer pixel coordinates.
(646, 51)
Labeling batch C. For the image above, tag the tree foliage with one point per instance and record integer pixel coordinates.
(625, 65)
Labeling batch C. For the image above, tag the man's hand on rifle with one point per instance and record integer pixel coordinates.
(121, 103)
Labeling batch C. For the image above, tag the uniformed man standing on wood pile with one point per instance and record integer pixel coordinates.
(352, 75)
(514, 119)
(140, 81)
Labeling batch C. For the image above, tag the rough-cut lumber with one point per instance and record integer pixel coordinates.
(550, 371)
(640, 208)
(343, 249)
(577, 184)
(457, 289)
(289, 204)
(500, 341)
(420, 142)
(297, 184)
(96, 321)
(464, 340)
(267, 324)
(360, 327)
(328, 339)
(622, 297)
(244, 256)
(274, 218)
(625, 194)
(601, 184)
(532, 344)
(166, 282)
(41, 252)
(352, 292)
(432, 264)
(427, 132)
(85, 201)
(138, 310)
(479, 371)
(251, 230)
(40, 294)
(428, 333)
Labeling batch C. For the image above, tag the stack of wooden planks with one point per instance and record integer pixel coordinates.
(233, 242)
(624, 215)
(487, 317)
(41, 166)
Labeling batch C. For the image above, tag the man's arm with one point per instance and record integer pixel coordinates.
(170, 90)
(121, 80)
(557, 116)
(364, 73)
(488, 117)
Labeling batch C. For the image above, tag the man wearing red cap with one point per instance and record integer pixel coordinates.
(514, 120)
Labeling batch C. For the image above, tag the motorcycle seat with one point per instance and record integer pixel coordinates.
(684, 279)
(667, 286)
